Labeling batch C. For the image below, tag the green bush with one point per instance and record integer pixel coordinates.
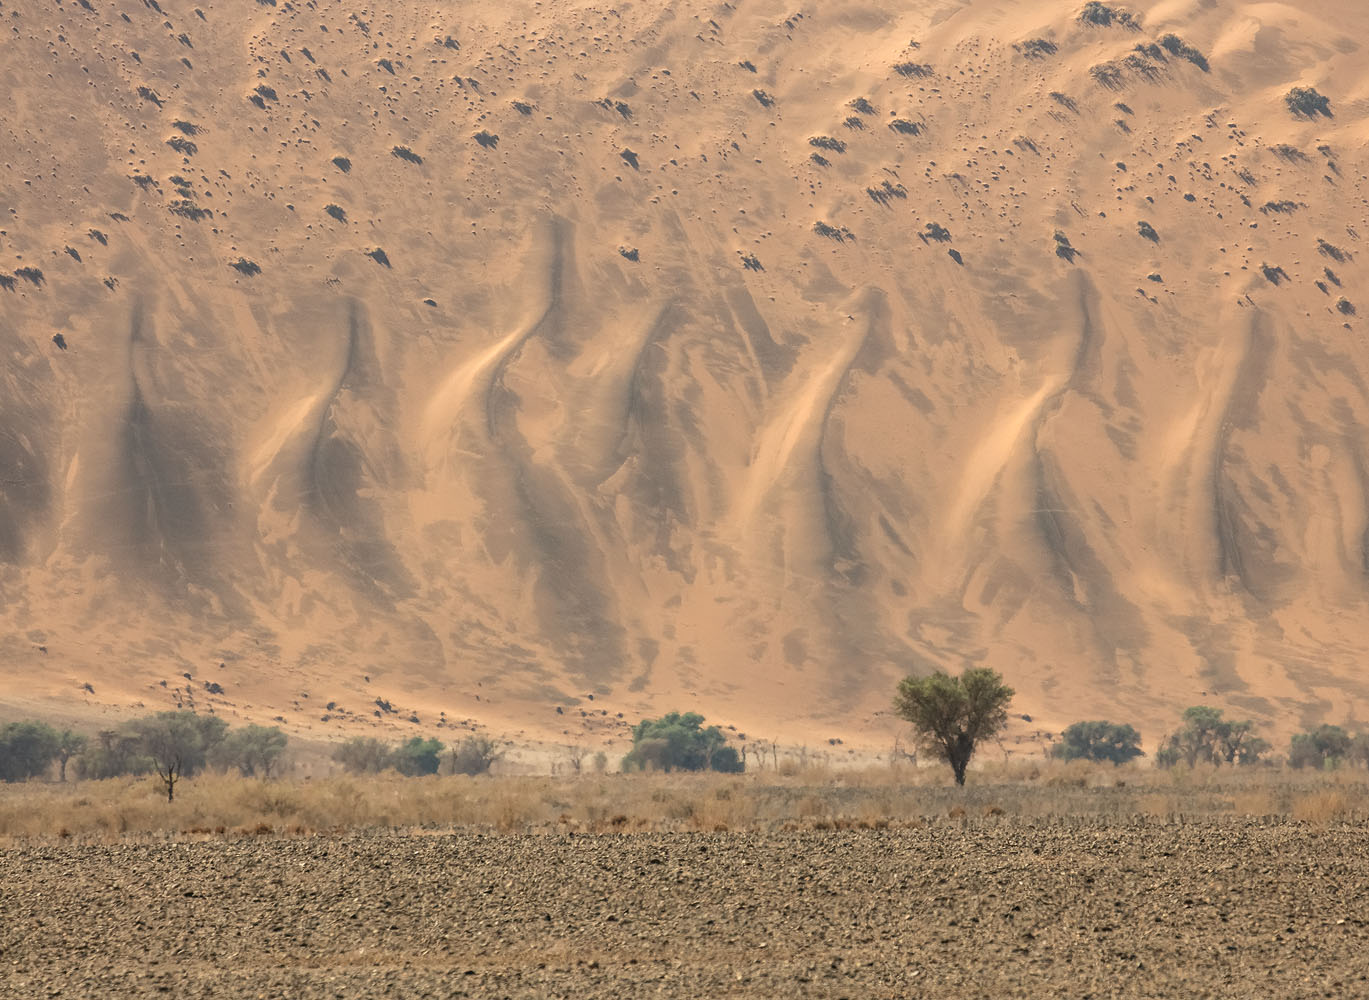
(27, 749)
(416, 757)
(679, 742)
(1100, 741)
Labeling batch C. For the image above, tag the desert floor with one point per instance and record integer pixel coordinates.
(977, 906)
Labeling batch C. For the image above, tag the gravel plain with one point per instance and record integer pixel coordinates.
(991, 907)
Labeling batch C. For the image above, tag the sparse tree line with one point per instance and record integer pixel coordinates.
(173, 745)
(418, 756)
(951, 715)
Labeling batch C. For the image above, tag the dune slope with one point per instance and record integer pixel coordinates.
(737, 357)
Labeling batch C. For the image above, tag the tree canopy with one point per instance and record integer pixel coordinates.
(1207, 738)
(1100, 741)
(178, 743)
(680, 742)
(1323, 747)
(952, 714)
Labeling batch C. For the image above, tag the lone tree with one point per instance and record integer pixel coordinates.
(952, 714)
(178, 743)
(1207, 738)
(1099, 741)
(680, 742)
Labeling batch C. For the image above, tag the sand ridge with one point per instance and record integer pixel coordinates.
(734, 358)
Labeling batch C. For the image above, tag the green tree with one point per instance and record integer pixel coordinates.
(69, 745)
(1322, 748)
(952, 714)
(178, 743)
(253, 750)
(363, 755)
(1207, 738)
(1101, 741)
(416, 757)
(679, 741)
(27, 749)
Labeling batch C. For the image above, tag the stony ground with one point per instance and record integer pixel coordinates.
(997, 907)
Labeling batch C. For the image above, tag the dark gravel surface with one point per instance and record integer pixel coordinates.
(993, 908)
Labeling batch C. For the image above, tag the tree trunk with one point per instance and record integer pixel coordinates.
(62, 768)
(960, 753)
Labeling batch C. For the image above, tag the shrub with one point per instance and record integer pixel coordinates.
(475, 755)
(909, 70)
(952, 714)
(1147, 231)
(417, 756)
(1305, 102)
(1100, 15)
(1037, 48)
(362, 755)
(27, 749)
(680, 742)
(1176, 46)
(1099, 741)
(935, 231)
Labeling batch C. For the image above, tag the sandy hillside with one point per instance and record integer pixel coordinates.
(745, 357)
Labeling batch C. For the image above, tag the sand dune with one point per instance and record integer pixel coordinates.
(741, 358)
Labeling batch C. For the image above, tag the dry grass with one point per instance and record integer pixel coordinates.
(215, 805)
